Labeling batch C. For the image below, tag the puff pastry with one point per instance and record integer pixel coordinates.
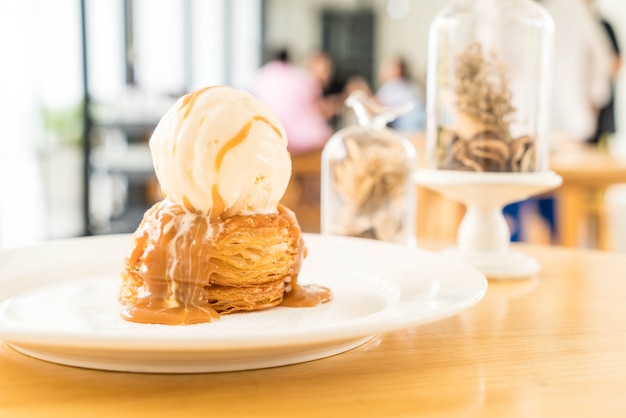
(184, 268)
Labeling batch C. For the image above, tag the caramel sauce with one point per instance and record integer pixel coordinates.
(187, 204)
(232, 143)
(240, 137)
(271, 125)
(145, 312)
(171, 291)
(219, 206)
(190, 99)
(306, 296)
(176, 260)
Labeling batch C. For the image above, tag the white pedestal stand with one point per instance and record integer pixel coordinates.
(483, 237)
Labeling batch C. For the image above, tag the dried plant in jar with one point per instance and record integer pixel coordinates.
(367, 190)
(371, 176)
(482, 91)
(480, 140)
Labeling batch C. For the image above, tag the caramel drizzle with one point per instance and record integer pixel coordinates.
(240, 137)
(187, 204)
(191, 98)
(171, 293)
(219, 206)
(271, 125)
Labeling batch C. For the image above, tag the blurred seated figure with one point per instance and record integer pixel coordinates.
(581, 86)
(320, 65)
(295, 94)
(397, 89)
(606, 117)
(583, 67)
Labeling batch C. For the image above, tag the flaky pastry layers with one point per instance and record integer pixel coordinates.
(184, 268)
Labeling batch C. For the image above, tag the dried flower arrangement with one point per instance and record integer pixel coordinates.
(482, 89)
(482, 140)
(370, 179)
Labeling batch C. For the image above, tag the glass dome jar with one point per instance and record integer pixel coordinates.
(366, 188)
(488, 87)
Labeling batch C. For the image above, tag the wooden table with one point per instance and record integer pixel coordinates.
(586, 172)
(549, 346)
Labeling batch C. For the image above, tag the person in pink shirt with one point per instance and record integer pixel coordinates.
(295, 94)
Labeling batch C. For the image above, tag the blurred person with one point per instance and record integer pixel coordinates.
(295, 94)
(320, 65)
(583, 67)
(606, 117)
(397, 89)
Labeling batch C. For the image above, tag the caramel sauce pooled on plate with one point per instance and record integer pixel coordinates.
(306, 296)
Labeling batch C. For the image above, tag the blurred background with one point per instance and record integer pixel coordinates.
(83, 83)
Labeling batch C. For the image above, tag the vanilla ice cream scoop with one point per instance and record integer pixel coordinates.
(221, 152)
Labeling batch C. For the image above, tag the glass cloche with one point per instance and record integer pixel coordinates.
(366, 188)
(488, 100)
(488, 86)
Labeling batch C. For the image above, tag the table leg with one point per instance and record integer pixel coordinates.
(569, 214)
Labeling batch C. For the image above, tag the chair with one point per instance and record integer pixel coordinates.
(303, 193)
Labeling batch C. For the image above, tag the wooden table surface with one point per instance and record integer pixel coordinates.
(586, 173)
(549, 346)
(589, 166)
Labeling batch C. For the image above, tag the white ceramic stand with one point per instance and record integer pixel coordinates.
(483, 237)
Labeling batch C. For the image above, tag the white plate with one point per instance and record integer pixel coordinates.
(58, 303)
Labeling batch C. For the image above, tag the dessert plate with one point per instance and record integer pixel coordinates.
(58, 303)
